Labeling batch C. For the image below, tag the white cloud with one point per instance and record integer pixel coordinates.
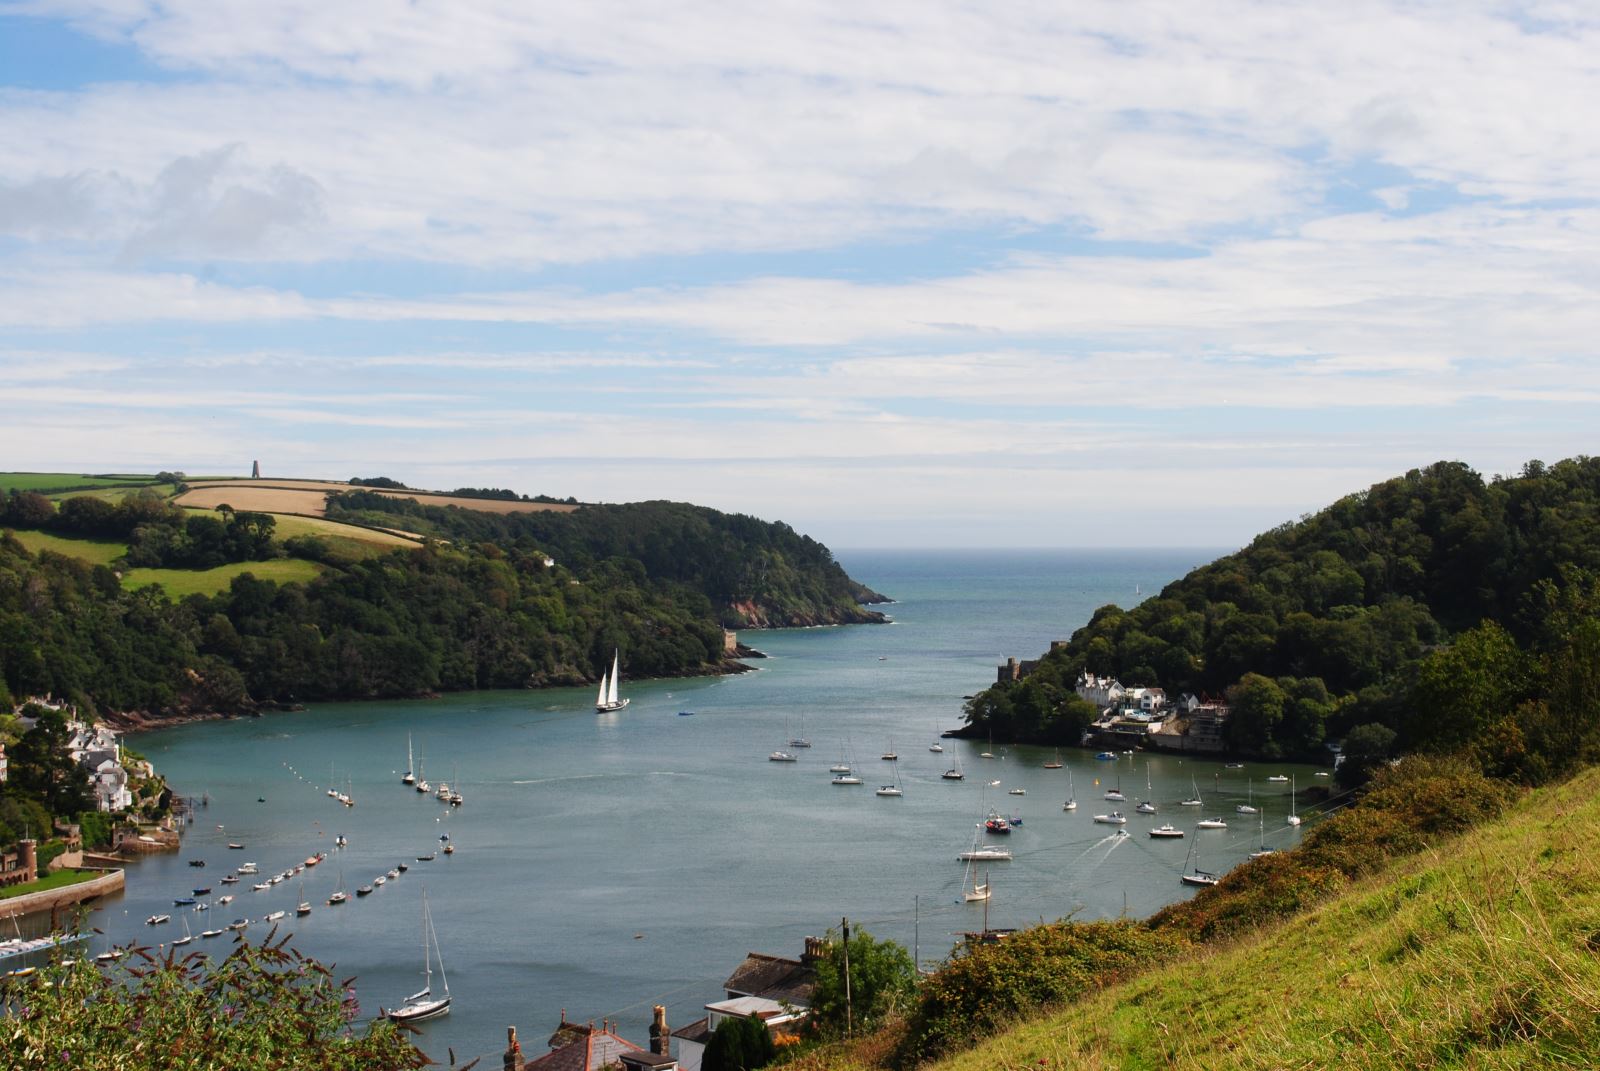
(497, 133)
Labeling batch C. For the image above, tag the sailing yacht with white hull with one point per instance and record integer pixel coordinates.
(607, 701)
(423, 1004)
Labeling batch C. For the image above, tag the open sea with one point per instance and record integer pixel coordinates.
(605, 863)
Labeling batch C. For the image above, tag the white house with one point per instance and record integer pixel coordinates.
(1103, 692)
(110, 784)
(96, 749)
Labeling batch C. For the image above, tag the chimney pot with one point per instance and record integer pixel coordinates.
(660, 1035)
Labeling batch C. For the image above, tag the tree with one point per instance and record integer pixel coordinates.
(739, 1044)
(1366, 747)
(1464, 688)
(882, 982)
(41, 767)
(1257, 704)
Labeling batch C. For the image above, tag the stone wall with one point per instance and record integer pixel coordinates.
(52, 899)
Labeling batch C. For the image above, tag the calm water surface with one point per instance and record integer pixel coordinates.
(605, 863)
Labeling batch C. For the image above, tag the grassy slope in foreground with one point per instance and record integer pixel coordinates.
(1484, 952)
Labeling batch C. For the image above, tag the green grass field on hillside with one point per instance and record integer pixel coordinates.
(115, 493)
(1483, 952)
(55, 880)
(36, 481)
(181, 582)
(94, 551)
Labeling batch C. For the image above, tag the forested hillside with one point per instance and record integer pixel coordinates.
(758, 573)
(1423, 606)
(483, 610)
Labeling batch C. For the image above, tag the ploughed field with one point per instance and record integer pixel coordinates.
(307, 497)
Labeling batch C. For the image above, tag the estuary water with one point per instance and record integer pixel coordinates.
(605, 863)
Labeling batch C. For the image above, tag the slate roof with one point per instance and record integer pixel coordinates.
(696, 1031)
(582, 1048)
(775, 977)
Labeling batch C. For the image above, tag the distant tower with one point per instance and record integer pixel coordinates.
(255, 470)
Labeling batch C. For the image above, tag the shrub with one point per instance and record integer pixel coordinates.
(986, 986)
(739, 1044)
(263, 1007)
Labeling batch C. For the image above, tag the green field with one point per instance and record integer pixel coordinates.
(94, 551)
(181, 582)
(39, 481)
(57, 880)
(115, 494)
(1483, 952)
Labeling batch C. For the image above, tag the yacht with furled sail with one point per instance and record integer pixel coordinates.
(1193, 875)
(607, 701)
(409, 778)
(423, 1004)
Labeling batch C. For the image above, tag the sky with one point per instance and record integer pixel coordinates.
(917, 274)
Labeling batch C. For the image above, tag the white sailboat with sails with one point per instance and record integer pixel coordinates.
(423, 1004)
(607, 700)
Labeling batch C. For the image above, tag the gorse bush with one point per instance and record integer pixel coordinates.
(1409, 805)
(987, 986)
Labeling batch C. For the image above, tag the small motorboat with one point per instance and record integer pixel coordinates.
(1146, 807)
(1282, 779)
(1017, 792)
(1211, 823)
(394, 873)
(1115, 818)
(274, 916)
(197, 862)
(1166, 831)
(1234, 766)
(426, 858)
(212, 933)
(1106, 756)
(379, 880)
(231, 879)
(997, 825)
(403, 867)
(261, 886)
(781, 756)
(248, 868)
(364, 890)
(238, 924)
(223, 901)
(183, 901)
(236, 846)
(204, 890)
(156, 920)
